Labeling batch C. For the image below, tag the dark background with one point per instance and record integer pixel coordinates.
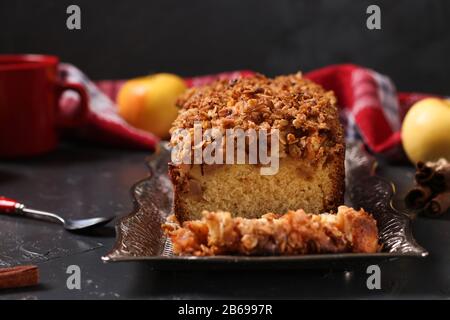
(121, 39)
(127, 38)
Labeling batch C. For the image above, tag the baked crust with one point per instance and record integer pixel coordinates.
(179, 181)
(295, 232)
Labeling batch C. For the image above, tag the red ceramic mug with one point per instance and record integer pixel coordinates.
(30, 114)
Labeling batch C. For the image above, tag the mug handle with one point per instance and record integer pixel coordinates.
(81, 111)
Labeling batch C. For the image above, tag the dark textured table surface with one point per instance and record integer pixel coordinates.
(80, 181)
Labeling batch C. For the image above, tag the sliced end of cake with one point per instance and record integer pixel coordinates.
(295, 232)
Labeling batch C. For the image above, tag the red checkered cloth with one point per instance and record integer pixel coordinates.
(371, 108)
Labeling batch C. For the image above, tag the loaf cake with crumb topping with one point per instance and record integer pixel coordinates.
(310, 143)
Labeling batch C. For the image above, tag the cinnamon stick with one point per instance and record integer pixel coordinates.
(441, 170)
(21, 276)
(438, 205)
(432, 190)
(418, 196)
(424, 173)
(431, 174)
(443, 173)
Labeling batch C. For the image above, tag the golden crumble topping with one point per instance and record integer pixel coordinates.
(305, 113)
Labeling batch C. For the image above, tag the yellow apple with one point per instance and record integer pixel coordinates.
(148, 103)
(426, 130)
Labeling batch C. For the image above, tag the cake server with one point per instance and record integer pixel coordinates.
(10, 206)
